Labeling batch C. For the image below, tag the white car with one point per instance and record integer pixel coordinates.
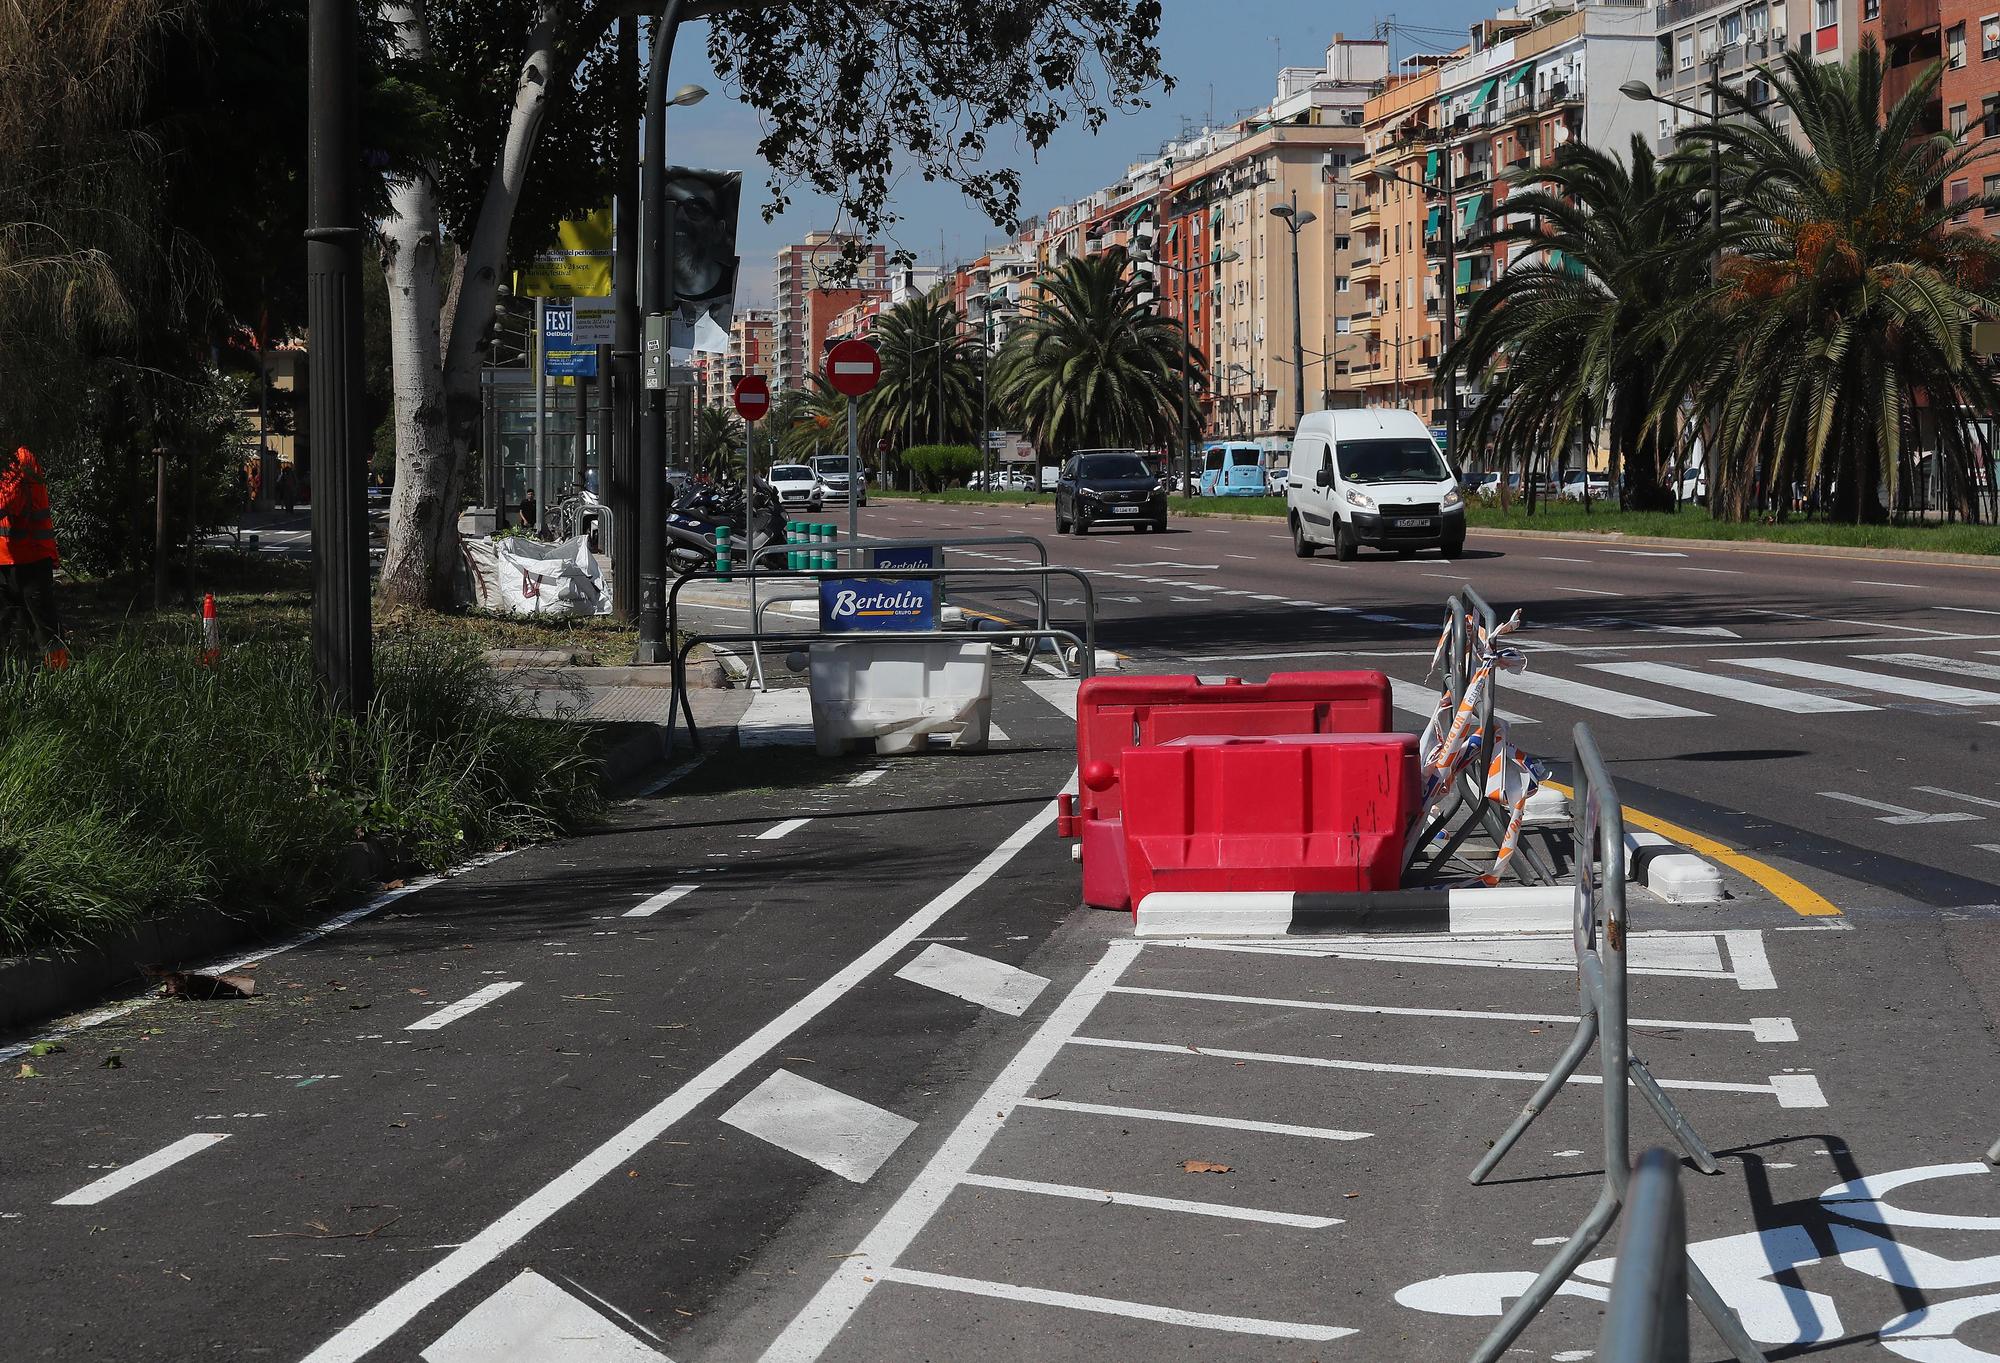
(1577, 485)
(798, 486)
(1371, 476)
(1694, 484)
(832, 471)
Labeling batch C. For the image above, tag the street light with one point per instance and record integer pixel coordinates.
(1296, 222)
(1229, 256)
(1642, 92)
(687, 95)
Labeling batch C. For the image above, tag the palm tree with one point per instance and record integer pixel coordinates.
(929, 391)
(1571, 336)
(1094, 363)
(811, 421)
(718, 443)
(1838, 335)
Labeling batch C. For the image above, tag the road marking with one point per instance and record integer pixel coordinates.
(1595, 698)
(779, 830)
(976, 979)
(1164, 1315)
(1161, 1204)
(382, 1321)
(1907, 586)
(1725, 572)
(531, 1320)
(1587, 591)
(1986, 800)
(1987, 846)
(1859, 624)
(1966, 610)
(1175, 565)
(1648, 553)
(1885, 682)
(1151, 1114)
(1304, 605)
(1752, 693)
(117, 1181)
(1762, 1029)
(809, 1333)
(1788, 1095)
(1251, 557)
(1058, 691)
(1965, 667)
(869, 777)
(472, 1002)
(649, 907)
(1421, 701)
(1897, 814)
(838, 1132)
(1265, 596)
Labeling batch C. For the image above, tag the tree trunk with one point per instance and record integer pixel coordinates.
(423, 515)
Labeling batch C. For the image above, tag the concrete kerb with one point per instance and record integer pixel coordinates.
(1476, 910)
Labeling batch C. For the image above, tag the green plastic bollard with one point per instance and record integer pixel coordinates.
(722, 553)
(791, 548)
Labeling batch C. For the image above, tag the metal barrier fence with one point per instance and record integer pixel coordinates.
(1467, 619)
(1599, 929)
(1646, 1320)
(684, 643)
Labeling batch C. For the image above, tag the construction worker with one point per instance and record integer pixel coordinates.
(28, 559)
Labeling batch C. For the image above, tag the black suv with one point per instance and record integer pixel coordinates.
(1114, 487)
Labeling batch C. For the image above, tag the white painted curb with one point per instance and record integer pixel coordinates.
(1507, 908)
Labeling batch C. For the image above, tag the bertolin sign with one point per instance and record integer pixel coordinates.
(849, 605)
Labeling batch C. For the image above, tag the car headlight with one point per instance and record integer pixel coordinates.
(1453, 500)
(1091, 493)
(1356, 497)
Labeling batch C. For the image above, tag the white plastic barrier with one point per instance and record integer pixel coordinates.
(897, 693)
(517, 576)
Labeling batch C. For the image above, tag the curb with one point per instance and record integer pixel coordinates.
(1780, 548)
(1507, 908)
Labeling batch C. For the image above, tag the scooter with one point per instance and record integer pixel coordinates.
(692, 524)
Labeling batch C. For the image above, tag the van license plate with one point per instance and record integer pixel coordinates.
(1412, 523)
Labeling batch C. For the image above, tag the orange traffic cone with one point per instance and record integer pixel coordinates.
(211, 632)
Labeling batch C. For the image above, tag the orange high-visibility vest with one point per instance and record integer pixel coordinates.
(27, 531)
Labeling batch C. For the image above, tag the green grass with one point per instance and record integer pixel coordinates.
(139, 782)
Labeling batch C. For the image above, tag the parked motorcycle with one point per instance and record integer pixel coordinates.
(692, 523)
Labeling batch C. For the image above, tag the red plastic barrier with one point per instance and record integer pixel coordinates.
(1304, 813)
(1117, 715)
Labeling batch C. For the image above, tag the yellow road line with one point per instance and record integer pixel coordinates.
(1797, 897)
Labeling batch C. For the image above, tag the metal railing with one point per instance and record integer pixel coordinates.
(1600, 931)
(1646, 1320)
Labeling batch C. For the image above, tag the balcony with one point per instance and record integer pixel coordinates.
(1559, 95)
(1364, 215)
(1363, 324)
(1897, 80)
(1474, 175)
(1365, 270)
(1903, 17)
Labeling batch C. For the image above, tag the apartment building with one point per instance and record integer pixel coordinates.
(752, 350)
(811, 292)
(1965, 37)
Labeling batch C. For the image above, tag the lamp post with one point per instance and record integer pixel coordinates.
(657, 278)
(1296, 222)
(1187, 354)
(1639, 90)
(1447, 290)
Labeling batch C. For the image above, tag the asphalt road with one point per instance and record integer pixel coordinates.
(803, 1059)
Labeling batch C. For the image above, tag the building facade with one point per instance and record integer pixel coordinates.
(812, 290)
(1965, 38)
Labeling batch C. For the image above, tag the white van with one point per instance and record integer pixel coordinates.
(1371, 476)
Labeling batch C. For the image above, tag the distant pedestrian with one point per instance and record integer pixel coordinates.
(529, 514)
(288, 489)
(28, 560)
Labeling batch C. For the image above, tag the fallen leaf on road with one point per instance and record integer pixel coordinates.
(114, 1061)
(1350, 1194)
(28, 1071)
(399, 1124)
(42, 1048)
(392, 884)
(195, 984)
(1202, 1166)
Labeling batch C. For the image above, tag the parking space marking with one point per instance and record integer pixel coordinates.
(530, 1318)
(1076, 1301)
(472, 1002)
(869, 777)
(118, 1180)
(835, 1130)
(1159, 1204)
(659, 901)
(1761, 1029)
(1791, 1090)
(976, 979)
(779, 830)
(1153, 1114)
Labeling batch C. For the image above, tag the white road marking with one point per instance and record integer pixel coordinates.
(1748, 961)
(1164, 1315)
(976, 979)
(1885, 682)
(779, 830)
(1907, 586)
(117, 1181)
(1724, 572)
(1786, 1097)
(1152, 1114)
(1858, 624)
(837, 1131)
(869, 777)
(1420, 701)
(382, 1321)
(1587, 591)
(1251, 557)
(1986, 800)
(823, 1318)
(1304, 605)
(1057, 691)
(1595, 699)
(1987, 846)
(1265, 596)
(1161, 1204)
(1761, 1029)
(472, 1002)
(531, 1320)
(1897, 814)
(1752, 693)
(1551, 558)
(1648, 553)
(1966, 610)
(1964, 667)
(647, 908)
(1175, 565)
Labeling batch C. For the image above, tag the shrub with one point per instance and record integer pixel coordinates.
(941, 466)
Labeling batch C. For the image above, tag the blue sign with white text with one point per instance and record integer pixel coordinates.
(863, 605)
(921, 556)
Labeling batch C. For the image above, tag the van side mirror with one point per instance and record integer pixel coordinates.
(1324, 477)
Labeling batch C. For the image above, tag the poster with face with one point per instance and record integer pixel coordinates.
(705, 261)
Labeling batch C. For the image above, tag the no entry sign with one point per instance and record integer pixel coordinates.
(853, 368)
(752, 396)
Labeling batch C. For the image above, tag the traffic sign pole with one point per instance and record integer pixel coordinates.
(854, 483)
(853, 368)
(750, 528)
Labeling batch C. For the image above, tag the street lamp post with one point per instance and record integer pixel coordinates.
(1187, 357)
(1295, 222)
(1639, 90)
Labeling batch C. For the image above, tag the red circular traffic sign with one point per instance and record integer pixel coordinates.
(752, 396)
(853, 368)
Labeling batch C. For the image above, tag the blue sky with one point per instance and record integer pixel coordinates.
(1224, 54)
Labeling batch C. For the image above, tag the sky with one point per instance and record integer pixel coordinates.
(1223, 54)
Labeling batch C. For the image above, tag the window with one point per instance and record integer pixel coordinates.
(1954, 46)
(1707, 41)
(1757, 19)
(1991, 189)
(1960, 191)
(1989, 115)
(1871, 9)
(1989, 37)
(1956, 120)
(1342, 325)
(1732, 29)
(1826, 13)
(1340, 283)
(1340, 243)
(1687, 51)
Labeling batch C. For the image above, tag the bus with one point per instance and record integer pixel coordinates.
(1234, 470)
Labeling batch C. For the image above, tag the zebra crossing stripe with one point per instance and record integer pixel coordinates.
(1597, 699)
(1964, 667)
(1887, 683)
(1734, 688)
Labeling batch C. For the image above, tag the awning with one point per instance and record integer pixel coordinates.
(1430, 165)
(1474, 206)
(1484, 93)
(1431, 222)
(1141, 211)
(1464, 271)
(1520, 73)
